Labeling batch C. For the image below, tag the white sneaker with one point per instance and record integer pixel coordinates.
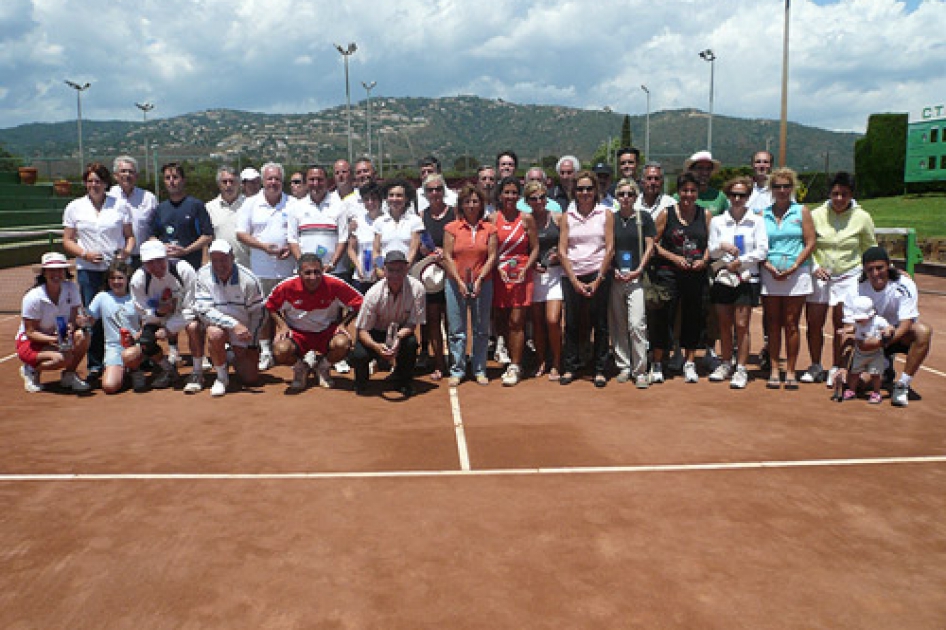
(195, 383)
(829, 381)
(71, 380)
(814, 374)
(206, 364)
(623, 376)
(324, 371)
(511, 377)
(502, 355)
(299, 373)
(656, 374)
(721, 373)
(342, 367)
(689, 373)
(174, 355)
(266, 361)
(900, 396)
(642, 382)
(311, 359)
(219, 388)
(739, 379)
(30, 379)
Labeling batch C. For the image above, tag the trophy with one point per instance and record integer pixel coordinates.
(125, 334)
(427, 241)
(391, 339)
(512, 270)
(547, 257)
(740, 243)
(469, 281)
(690, 250)
(62, 332)
(367, 261)
(625, 261)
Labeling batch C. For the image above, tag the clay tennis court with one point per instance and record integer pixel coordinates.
(540, 506)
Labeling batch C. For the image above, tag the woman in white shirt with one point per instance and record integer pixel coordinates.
(399, 230)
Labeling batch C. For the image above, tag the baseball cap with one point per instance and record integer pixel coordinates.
(54, 260)
(153, 250)
(249, 173)
(602, 168)
(863, 308)
(221, 246)
(394, 256)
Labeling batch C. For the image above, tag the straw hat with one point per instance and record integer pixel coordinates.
(431, 274)
(702, 156)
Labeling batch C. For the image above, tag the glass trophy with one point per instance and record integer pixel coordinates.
(625, 261)
(690, 250)
(391, 338)
(427, 241)
(62, 332)
(512, 270)
(470, 285)
(740, 243)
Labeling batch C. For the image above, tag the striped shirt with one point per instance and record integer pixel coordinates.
(239, 300)
(318, 227)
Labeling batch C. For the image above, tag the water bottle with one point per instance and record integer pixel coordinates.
(367, 261)
(62, 332)
(427, 241)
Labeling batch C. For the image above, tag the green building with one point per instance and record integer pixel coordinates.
(926, 145)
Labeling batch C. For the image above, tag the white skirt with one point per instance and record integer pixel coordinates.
(837, 290)
(798, 283)
(548, 286)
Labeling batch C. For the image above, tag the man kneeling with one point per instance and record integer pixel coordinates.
(311, 311)
(393, 308)
(229, 301)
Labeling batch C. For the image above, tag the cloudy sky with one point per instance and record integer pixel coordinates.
(849, 58)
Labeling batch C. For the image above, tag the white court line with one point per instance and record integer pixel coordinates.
(496, 472)
(8, 318)
(462, 451)
(7, 358)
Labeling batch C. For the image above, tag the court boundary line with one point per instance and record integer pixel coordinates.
(462, 451)
(490, 472)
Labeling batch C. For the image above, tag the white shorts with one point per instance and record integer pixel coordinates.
(547, 286)
(799, 283)
(835, 291)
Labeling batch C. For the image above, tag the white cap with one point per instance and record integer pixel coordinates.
(249, 173)
(863, 308)
(153, 250)
(221, 246)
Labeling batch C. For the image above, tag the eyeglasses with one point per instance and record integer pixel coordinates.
(738, 195)
(781, 186)
(537, 199)
(435, 189)
(585, 188)
(626, 193)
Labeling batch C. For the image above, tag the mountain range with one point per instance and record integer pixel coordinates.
(406, 129)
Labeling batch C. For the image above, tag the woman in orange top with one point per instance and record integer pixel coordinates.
(469, 256)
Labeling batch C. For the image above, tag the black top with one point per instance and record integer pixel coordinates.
(627, 248)
(183, 222)
(689, 240)
(548, 236)
(434, 227)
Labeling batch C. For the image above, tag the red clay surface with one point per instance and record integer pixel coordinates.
(808, 546)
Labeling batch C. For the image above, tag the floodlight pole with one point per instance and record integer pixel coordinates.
(783, 125)
(79, 88)
(368, 87)
(346, 53)
(145, 108)
(647, 125)
(708, 55)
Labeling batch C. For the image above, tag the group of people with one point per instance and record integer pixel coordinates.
(346, 272)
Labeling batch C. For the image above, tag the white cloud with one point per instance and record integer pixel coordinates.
(849, 58)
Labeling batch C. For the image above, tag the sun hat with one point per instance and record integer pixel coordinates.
(702, 156)
(54, 260)
(431, 274)
(153, 250)
(863, 308)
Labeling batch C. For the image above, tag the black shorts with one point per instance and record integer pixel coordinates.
(746, 294)
(440, 297)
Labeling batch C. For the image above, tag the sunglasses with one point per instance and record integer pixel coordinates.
(585, 188)
(435, 189)
(625, 193)
(781, 186)
(537, 199)
(738, 195)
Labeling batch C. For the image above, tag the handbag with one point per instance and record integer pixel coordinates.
(655, 295)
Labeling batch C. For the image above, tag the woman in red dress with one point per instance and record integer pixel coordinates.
(512, 279)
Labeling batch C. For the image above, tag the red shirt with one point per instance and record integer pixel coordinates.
(470, 246)
(312, 311)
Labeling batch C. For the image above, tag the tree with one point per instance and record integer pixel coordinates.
(626, 132)
(465, 164)
(8, 161)
(549, 161)
(879, 156)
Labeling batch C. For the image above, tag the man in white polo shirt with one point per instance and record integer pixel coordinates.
(229, 301)
(318, 224)
(141, 203)
(263, 227)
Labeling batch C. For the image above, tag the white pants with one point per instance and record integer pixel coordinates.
(627, 324)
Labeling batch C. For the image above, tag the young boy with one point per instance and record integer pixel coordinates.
(870, 331)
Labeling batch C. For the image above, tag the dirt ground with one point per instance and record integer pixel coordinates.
(682, 506)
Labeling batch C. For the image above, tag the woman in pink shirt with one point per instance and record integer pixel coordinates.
(587, 239)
